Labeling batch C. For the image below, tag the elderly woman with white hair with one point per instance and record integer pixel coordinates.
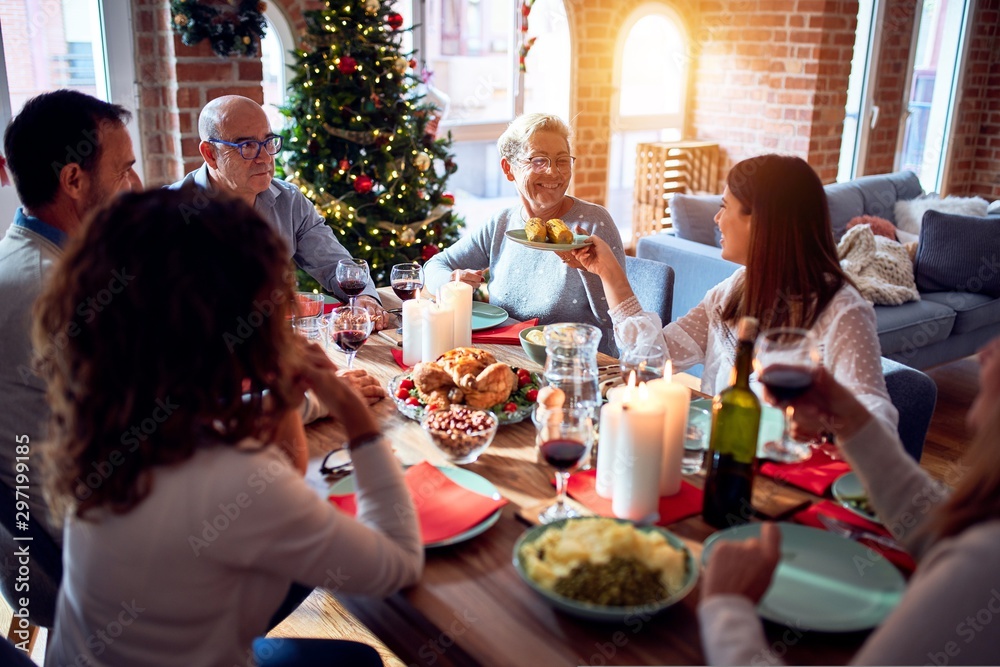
(527, 283)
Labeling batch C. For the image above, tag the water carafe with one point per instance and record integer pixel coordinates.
(571, 362)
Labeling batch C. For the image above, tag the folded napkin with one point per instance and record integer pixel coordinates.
(816, 474)
(685, 503)
(444, 508)
(397, 356)
(329, 307)
(810, 517)
(507, 335)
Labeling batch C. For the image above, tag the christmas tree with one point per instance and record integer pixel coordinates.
(362, 145)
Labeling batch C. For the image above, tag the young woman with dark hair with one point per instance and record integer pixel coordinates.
(187, 517)
(776, 223)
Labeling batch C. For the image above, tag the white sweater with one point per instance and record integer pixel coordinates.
(846, 331)
(945, 615)
(193, 573)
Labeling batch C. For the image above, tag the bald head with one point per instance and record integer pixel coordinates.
(212, 121)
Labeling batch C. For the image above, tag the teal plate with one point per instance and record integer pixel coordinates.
(467, 478)
(487, 316)
(819, 584)
(598, 612)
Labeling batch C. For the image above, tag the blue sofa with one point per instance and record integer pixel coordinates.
(946, 324)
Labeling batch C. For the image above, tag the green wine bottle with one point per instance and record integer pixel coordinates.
(733, 444)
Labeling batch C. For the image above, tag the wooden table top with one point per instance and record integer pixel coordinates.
(471, 606)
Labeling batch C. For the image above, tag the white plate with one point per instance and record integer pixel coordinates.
(520, 236)
(599, 612)
(462, 477)
(848, 487)
(487, 316)
(818, 584)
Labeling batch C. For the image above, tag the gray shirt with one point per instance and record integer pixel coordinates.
(28, 252)
(531, 283)
(314, 248)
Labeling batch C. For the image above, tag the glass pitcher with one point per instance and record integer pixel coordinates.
(571, 363)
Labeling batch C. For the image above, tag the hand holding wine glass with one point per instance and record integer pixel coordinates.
(352, 277)
(565, 436)
(786, 359)
(349, 328)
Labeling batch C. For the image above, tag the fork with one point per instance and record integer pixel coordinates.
(838, 527)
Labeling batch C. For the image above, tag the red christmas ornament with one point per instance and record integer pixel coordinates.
(395, 20)
(363, 184)
(344, 165)
(448, 199)
(413, 64)
(429, 251)
(348, 65)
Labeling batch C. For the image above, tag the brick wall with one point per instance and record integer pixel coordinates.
(772, 76)
(975, 160)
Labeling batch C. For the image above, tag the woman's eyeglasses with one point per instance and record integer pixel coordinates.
(250, 149)
(542, 164)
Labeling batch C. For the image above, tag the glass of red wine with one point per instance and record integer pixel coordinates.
(349, 328)
(407, 280)
(786, 359)
(564, 438)
(352, 277)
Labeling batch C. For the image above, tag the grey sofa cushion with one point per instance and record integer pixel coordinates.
(958, 253)
(972, 311)
(693, 217)
(912, 325)
(881, 192)
(846, 203)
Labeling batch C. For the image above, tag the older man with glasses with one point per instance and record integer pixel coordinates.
(526, 282)
(238, 147)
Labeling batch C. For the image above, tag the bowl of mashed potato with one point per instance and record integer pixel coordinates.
(533, 344)
(605, 569)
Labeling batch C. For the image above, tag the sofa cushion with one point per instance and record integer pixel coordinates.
(693, 218)
(972, 311)
(958, 253)
(845, 203)
(910, 214)
(912, 324)
(882, 191)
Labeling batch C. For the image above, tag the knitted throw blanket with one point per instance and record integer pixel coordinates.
(880, 267)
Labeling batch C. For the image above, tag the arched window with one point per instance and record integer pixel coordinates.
(275, 56)
(650, 81)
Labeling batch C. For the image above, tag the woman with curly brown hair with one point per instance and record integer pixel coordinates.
(187, 518)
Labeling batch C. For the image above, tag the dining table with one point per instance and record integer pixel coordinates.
(471, 607)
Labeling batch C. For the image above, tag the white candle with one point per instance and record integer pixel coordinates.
(438, 331)
(610, 423)
(676, 399)
(638, 459)
(412, 330)
(458, 296)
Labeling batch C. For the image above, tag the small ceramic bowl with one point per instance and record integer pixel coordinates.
(535, 351)
(461, 433)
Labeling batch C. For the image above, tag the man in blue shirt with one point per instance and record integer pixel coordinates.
(238, 148)
(69, 154)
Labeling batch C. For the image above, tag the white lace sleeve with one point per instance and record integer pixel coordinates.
(852, 353)
(686, 339)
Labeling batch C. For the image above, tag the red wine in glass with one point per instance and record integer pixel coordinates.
(786, 382)
(563, 454)
(348, 341)
(353, 287)
(406, 289)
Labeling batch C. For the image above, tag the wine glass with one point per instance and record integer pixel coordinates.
(565, 437)
(352, 276)
(349, 328)
(786, 359)
(646, 361)
(407, 280)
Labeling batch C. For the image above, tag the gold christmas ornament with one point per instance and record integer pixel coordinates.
(407, 235)
(400, 65)
(372, 6)
(422, 161)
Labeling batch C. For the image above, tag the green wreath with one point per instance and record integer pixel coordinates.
(230, 26)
